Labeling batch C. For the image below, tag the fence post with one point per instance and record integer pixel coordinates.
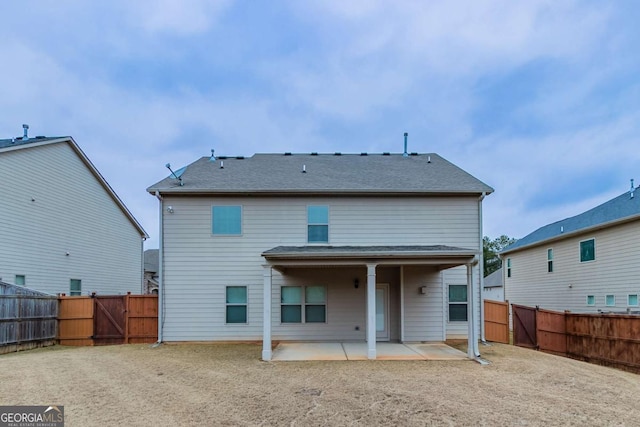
(126, 318)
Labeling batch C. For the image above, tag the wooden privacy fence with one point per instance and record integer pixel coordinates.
(606, 339)
(27, 318)
(496, 321)
(108, 319)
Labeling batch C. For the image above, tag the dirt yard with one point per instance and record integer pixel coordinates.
(136, 385)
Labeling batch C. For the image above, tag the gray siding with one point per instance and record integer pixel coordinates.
(53, 205)
(615, 271)
(198, 266)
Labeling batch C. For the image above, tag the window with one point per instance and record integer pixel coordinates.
(457, 303)
(21, 280)
(610, 300)
(588, 250)
(236, 304)
(75, 287)
(549, 260)
(303, 304)
(508, 267)
(226, 220)
(591, 300)
(632, 300)
(318, 224)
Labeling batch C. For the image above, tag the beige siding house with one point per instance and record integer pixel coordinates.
(320, 247)
(587, 263)
(62, 228)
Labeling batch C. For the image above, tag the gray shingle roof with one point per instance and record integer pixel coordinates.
(494, 280)
(151, 262)
(617, 209)
(325, 173)
(386, 251)
(13, 142)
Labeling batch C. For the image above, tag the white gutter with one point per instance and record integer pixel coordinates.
(160, 269)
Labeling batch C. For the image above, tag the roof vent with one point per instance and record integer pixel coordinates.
(632, 188)
(386, 153)
(40, 137)
(213, 156)
(414, 154)
(221, 164)
(314, 153)
(428, 159)
(222, 157)
(363, 154)
(405, 154)
(239, 157)
(337, 153)
(178, 177)
(304, 168)
(25, 128)
(562, 228)
(287, 153)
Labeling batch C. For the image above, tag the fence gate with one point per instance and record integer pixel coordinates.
(109, 319)
(524, 326)
(496, 321)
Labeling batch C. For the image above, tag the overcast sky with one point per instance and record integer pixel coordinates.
(539, 99)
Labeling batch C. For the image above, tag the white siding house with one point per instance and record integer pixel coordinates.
(62, 228)
(586, 264)
(320, 248)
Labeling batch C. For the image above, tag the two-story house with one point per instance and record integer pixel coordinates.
(587, 263)
(320, 247)
(62, 227)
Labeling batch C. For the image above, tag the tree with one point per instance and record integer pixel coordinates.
(490, 250)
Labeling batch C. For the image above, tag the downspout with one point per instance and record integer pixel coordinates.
(481, 267)
(476, 350)
(160, 269)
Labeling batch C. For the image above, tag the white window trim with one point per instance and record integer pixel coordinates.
(637, 300)
(456, 303)
(580, 250)
(328, 226)
(587, 301)
(234, 304)
(509, 275)
(605, 300)
(79, 292)
(227, 235)
(303, 306)
(550, 260)
(24, 280)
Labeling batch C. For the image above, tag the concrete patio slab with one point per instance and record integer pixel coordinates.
(300, 351)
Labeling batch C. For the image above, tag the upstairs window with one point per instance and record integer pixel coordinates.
(75, 287)
(457, 303)
(591, 300)
(508, 267)
(549, 260)
(318, 224)
(21, 280)
(226, 220)
(610, 300)
(632, 300)
(588, 250)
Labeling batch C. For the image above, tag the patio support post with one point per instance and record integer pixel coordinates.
(371, 311)
(266, 311)
(471, 323)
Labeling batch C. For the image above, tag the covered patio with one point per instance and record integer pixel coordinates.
(440, 257)
(297, 351)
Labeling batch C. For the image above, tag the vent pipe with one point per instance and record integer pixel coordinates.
(405, 154)
(213, 155)
(632, 188)
(25, 128)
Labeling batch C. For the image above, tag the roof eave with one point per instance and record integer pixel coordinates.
(180, 191)
(574, 233)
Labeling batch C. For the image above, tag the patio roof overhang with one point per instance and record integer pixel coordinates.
(443, 257)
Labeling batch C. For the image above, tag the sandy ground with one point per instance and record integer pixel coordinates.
(136, 385)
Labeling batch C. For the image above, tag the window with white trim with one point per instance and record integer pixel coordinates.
(591, 300)
(236, 299)
(508, 267)
(226, 220)
(550, 260)
(610, 300)
(303, 304)
(457, 303)
(588, 250)
(318, 224)
(75, 287)
(21, 280)
(632, 300)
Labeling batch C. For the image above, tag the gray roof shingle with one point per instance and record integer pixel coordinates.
(325, 173)
(13, 142)
(619, 208)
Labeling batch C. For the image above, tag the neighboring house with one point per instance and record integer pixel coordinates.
(320, 247)
(492, 288)
(63, 229)
(586, 263)
(151, 271)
